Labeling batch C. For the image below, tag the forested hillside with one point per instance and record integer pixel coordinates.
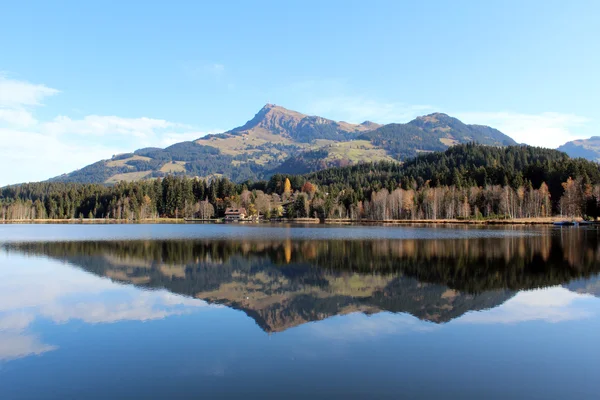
(434, 132)
(465, 181)
(466, 166)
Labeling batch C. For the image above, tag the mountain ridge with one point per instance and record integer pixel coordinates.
(277, 139)
(584, 148)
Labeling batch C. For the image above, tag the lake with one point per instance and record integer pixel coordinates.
(231, 311)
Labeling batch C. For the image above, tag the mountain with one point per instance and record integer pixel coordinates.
(434, 132)
(584, 148)
(286, 141)
(282, 283)
(300, 128)
(585, 286)
(278, 284)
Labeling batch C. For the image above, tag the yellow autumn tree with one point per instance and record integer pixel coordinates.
(252, 211)
(570, 202)
(546, 205)
(287, 187)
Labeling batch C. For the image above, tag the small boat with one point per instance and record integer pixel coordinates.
(565, 223)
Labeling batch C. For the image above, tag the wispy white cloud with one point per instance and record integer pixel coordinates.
(15, 93)
(15, 345)
(67, 145)
(547, 129)
(357, 109)
(553, 305)
(31, 156)
(334, 98)
(42, 285)
(357, 326)
(15, 322)
(107, 125)
(17, 117)
(37, 150)
(15, 342)
(16, 97)
(52, 291)
(140, 306)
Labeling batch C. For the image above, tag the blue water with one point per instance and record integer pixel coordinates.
(54, 232)
(226, 311)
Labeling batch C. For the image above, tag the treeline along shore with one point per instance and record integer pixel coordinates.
(466, 183)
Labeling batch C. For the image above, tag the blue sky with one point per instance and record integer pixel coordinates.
(80, 81)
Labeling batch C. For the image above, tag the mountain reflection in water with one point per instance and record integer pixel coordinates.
(285, 283)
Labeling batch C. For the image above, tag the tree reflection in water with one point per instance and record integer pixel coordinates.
(284, 283)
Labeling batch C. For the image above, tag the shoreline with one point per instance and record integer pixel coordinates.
(515, 221)
(316, 221)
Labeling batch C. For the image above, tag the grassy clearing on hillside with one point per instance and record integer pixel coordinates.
(238, 144)
(448, 141)
(128, 177)
(174, 166)
(123, 162)
(354, 151)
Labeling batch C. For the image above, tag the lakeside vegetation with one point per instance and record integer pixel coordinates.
(465, 182)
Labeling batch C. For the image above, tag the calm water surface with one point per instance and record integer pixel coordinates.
(227, 311)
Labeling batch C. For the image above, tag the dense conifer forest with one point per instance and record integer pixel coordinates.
(463, 182)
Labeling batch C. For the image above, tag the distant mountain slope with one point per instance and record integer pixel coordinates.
(584, 148)
(589, 285)
(434, 132)
(285, 141)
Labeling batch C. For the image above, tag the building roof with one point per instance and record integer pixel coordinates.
(235, 211)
